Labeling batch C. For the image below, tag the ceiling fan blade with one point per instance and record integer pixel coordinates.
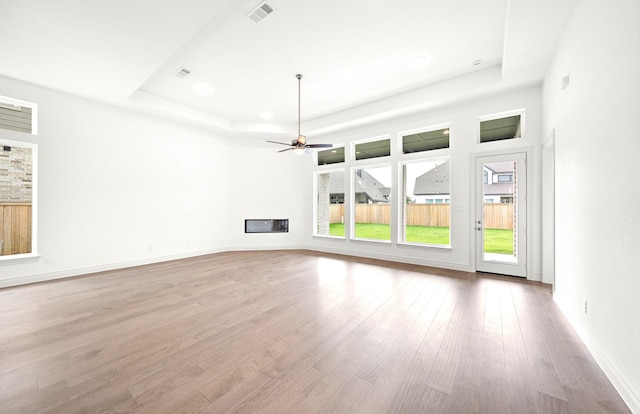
(281, 143)
(286, 149)
(319, 145)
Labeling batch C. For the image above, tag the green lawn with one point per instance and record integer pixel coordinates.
(496, 241)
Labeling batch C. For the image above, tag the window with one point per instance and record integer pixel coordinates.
(333, 155)
(506, 125)
(371, 197)
(426, 140)
(17, 199)
(17, 115)
(505, 178)
(329, 207)
(426, 210)
(373, 149)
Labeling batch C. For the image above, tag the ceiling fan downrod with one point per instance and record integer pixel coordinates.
(301, 138)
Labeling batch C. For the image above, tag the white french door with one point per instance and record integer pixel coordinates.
(501, 214)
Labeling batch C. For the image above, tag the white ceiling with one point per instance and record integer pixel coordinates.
(357, 57)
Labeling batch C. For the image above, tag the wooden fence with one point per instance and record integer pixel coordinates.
(497, 216)
(15, 228)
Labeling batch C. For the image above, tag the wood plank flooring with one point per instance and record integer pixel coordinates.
(293, 332)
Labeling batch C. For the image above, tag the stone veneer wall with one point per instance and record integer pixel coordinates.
(324, 213)
(15, 174)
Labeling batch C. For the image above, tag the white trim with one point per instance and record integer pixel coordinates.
(332, 165)
(19, 257)
(352, 195)
(34, 199)
(437, 127)
(62, 274)
(392, 258)
(402, 185)
(617, 379)
(529, 151)
(20, 103)
(499, 115)
(352, 156)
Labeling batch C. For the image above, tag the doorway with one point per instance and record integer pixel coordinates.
(501, 214)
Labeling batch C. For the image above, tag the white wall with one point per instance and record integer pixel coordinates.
(597, 123)
(117, 188)
(265, 184)
(464, 144)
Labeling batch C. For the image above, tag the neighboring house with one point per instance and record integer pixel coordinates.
(433, 187)
(498, 179)
(368, 190)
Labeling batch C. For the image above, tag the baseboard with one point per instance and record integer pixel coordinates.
(44, 277)
(396, 259)
(630, 397)
(263, 247)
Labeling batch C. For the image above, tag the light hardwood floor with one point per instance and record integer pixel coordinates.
(293, 332)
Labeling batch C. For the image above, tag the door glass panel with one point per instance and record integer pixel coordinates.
(500, 212)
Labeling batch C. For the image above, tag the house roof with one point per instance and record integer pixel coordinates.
(365, 183)
(434, 181)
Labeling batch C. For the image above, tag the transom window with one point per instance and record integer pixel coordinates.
(505, 125)
(333, 155)
(426, 140)
(373, 149)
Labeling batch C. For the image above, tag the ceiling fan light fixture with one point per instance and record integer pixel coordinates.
(299, 145)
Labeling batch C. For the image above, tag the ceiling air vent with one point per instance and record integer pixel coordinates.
(260, 12)
(182, 73)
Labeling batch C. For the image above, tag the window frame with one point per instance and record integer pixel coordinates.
(354, 152)
(316, 155)
(34, 113)
(34, 199)
(353, 204)
(401, 219)
(430, 128)
(500, 115)
(315, 198)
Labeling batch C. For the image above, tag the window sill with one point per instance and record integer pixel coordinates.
(428, 246)
(19, 258)
(324, 236)
(372, 240)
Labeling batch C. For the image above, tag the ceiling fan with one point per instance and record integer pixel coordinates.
(299, 145)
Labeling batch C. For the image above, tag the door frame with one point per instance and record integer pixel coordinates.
(529, 203)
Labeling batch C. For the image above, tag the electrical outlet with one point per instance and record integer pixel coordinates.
(584, 306)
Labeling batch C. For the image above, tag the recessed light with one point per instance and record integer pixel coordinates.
(203, 88)
(266, 115)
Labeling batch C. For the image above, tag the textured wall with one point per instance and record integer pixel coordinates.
(15, 174)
